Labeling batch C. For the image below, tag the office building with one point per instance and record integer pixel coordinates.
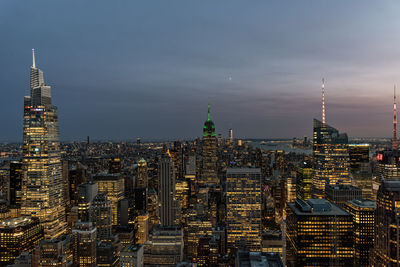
(166, 194)
(132, 256)
(363, 212)
(164, 247)
(243, 207)
(386, 250)
(330, 153)
(50, 252)
(209, 154)
(42, 187)
(359, 157)
(304, 176)
(331, 158)
(142, 234)
(108, 253)
(114, 165)
(318, 233)
(339, 194)
(111, 185)
(182, 193)
(259, 259)
(16, 175)
(142, 174)
(101, 216)
(18, 235)
(84, 244)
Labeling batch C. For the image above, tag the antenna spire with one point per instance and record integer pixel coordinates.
(33, 58)
(394, 141)
(209, 111)
(323, 101)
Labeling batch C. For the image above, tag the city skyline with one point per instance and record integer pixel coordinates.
(261, 77)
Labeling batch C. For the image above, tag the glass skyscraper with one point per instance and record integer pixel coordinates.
(42, 187)
(331, 158)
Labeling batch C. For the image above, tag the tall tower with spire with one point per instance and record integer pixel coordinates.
(209, 153)
(323, 101)
(330, 153)
(42, 187)
(394, 141)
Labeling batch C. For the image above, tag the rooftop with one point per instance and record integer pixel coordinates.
(316, 207)
(258, 259)
(363, 203)
(243, 170)
(16, 222)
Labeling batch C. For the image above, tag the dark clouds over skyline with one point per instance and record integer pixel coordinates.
(127, 69)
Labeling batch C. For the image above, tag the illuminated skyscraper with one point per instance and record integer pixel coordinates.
(360, 168)
(113, 186)
(142, 175)
(209, 147)
(84, 244)
(387, 225)
(331, 154)
(42, 187)
(168, 203)
(331, 158)
(304, 176)
(318, 233)
(16, 175)
(243, 207)
(101, 216)
(363, 235)
(17, 235)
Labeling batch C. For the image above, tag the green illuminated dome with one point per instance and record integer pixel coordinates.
(209, 127)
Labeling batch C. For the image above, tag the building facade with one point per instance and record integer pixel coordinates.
(42, 186)
(318, 233)
(243, 209)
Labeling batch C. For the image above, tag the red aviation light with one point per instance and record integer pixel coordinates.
(379, 157)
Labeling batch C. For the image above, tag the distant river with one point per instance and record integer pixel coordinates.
(279, 146)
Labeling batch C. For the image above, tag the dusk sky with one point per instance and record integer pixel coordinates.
(126, 69)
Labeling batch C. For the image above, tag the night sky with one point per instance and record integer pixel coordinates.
(126, 69)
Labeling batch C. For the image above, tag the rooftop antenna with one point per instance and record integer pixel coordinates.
(394, 141)
(323, 101)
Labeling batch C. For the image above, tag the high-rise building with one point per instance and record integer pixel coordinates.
(142, 174)
(209, 153)
(42, 187)
(108, 253)
(164, 247)
(318, 233)
(17, 235)
(115, 165)
(331, 158)
(243, 207)
(132, 256)
(362, 212)
(168, 203)
(259, 259)
(387, 225)
(84, 244)
(231, 135)
(359, 157)
(50, 252)
(304, 176)
(339, 194)
(101, 216)
(331, 154)
(142, 234)
(113, 186)
(16, 175)
(182, 193)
